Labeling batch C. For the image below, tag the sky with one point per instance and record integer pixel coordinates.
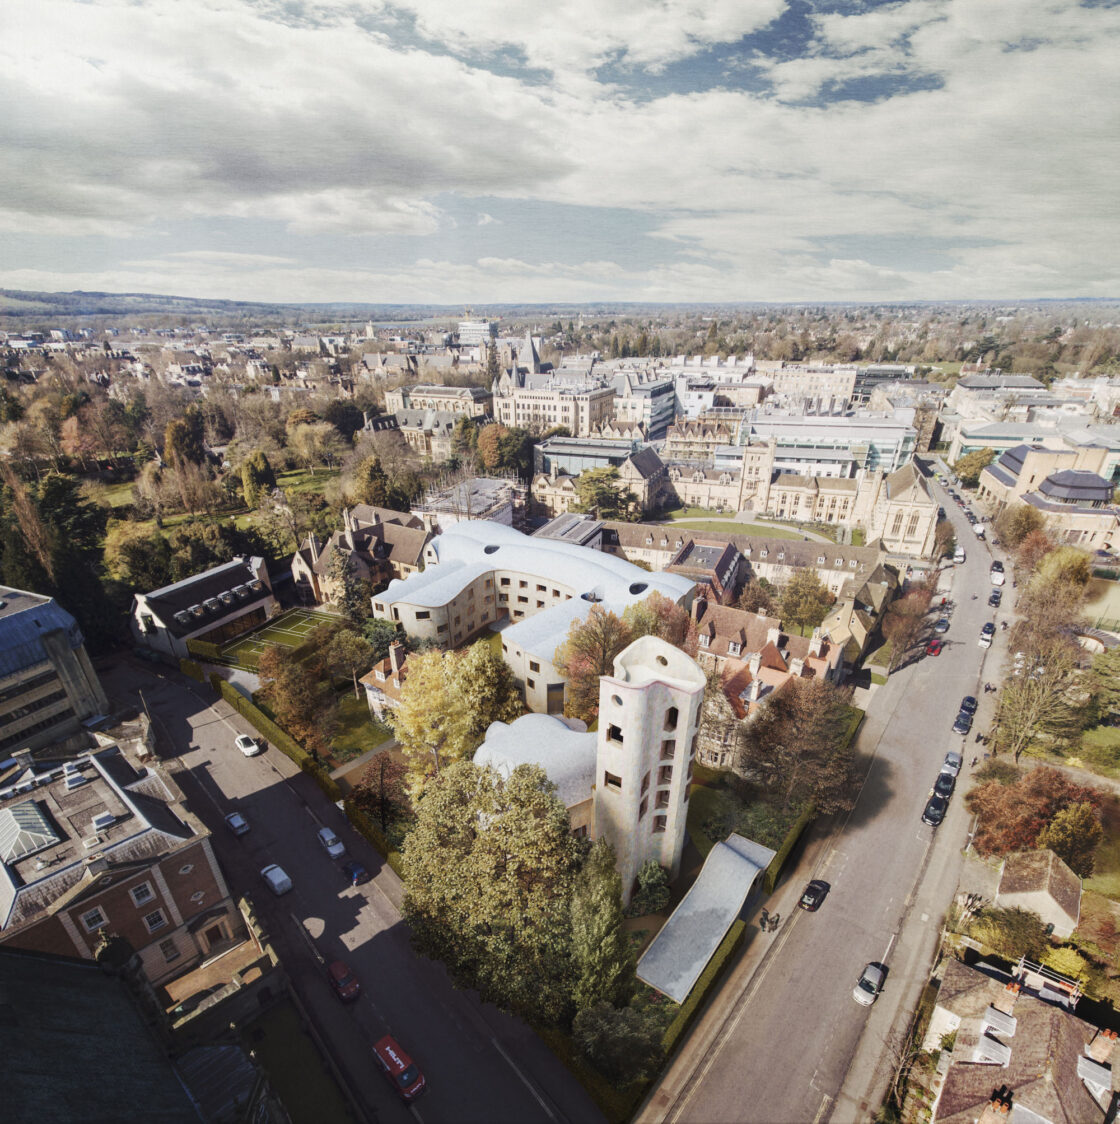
(470, 151)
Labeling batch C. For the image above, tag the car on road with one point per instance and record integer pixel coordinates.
(249, 746)
(237, 823)
(355, 873)
(942, 625)
(344, 982)
(953, 762)
(331, 842)
(995, 598)
(944, 784)
(278, 882)
(934, 811)
(996, 573)
(869, 985)
(933, 648)
(401, 1070)
(968, 704)
(986, 634)
(813, 895)
(963, 723)
(970, 517)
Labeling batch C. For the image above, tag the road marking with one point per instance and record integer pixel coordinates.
(925, 916)
(823, 1109)
(416, 1112)
(524, 1080)
(890, 945)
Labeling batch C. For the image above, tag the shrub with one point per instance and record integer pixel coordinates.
(1011, 932)
(622, 1043)
(653, 890)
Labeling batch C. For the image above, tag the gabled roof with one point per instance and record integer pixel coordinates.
(646, 462)
(1030, 872)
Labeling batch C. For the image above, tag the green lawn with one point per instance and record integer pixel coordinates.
(295, 1067)
(289, 630)
(357, 732)
(679, 513)
(1106, 871)
(1100, 750)
(729, 527)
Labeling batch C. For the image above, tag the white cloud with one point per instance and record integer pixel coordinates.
(486, 220)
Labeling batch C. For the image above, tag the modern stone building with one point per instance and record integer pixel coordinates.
(47, 684)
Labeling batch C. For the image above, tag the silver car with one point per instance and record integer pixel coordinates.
(870, 984)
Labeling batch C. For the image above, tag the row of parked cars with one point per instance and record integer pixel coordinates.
(938, 803)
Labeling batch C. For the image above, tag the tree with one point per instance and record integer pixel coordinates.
(183, 439)
(352, 592)
(588, 653)
(1040, 703)
(303, 702)
(944, 538)
(1104, 682)
(624, 1045)
(371, 483)
(904, 622)
(969, 467)
(381, 791)
(1033, 548)
(1011, 932)
(1067, 961)
(489, 870)
(1013, 816)
(138, 557)
(489, 445)
(1016, 522)
(799, 743)
(601, 494)
(653, 889)
(758, 597)
(257, 478)
(349, 654)
(447, 702)
(658, 615)
(805, 599)
(199, 546)
(602, 958)
(1074, 835)
(346, 417)
(1063, 566)
(315, 443)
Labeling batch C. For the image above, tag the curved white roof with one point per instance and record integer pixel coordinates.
(566, 755)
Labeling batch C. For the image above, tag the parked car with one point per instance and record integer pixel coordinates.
(401, 1070)
(249, 746)
(869, 985)
(344, 982)
(355, 873)
(963, 723)
(933, 648)
(944, 784)
(935, 810)
(278, 882)
(331, 842)
(813, 895)
(969, 704)
(986, 634)
(995, 598)
(953, 762)
(237, 823)
(942, 625)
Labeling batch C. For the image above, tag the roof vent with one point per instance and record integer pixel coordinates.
(91, 841)
(103, 821)
(74, 780)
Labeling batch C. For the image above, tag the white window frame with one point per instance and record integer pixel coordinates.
(142, 894)
(174, 949)
(92, 928)
(162, 920)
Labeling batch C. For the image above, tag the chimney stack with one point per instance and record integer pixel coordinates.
(396, 657)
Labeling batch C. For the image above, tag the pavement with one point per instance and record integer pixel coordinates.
(480, 1064)
(784, 1039)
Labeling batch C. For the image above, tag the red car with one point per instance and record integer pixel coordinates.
(344, 982)
(933, 648)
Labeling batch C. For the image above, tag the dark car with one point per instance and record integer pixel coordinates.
(995, 597)
(355, 873)
(813, 895)
(933, 648)
(989, 629)
(942, 625)
(963, 723)
(945, 784)
(997, 567)
(968, 705)
(935, 810)
(344, 982)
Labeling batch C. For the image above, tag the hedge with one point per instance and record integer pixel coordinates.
(770, 877)
(189, 667)
(708, 979)
(618, 1103)
(203, 649)
(279, 737)
(366, 827)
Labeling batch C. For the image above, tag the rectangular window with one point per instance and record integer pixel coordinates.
(614, 734)
(645, 783)
(896, 526)
(503, 598)
(662, 798)
(522, 585)
(94, 920)
(668, 747)
(540, 604)
(423, 615)
(665, 774)
(441, 628)
(534, 666)
(155, 920)
(542, 588)
(612, 781)
(142, 893)
(530, 683)
(643, 808)
(659, 825)
(504, 581)
(522, 600)
(170, 950)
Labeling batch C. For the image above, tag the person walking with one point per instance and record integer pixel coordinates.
(774, 922)
(764, 920)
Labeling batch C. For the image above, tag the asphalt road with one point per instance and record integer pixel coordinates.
(787, 1049)
(480, 1065)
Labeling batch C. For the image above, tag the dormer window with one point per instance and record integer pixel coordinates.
(705, 640)
(852, 564)
(839, 561)
(781, 555)
(734, 647)
(820, 560)
(762, 553)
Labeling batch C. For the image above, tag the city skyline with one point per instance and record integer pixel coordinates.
(447, 153)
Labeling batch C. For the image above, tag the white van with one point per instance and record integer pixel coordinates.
(958, 556)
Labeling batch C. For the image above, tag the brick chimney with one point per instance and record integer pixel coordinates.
(754, 663)
(313, 547)
(396, 657)
(699, 605)
(815, 642)
(774, 636)
(348, 527)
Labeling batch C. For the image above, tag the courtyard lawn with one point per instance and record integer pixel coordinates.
(679, 513)
(357, 732)
(733, 527)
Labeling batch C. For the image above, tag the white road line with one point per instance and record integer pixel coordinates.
(524, 1080)
(823, 1109)
(890, 945)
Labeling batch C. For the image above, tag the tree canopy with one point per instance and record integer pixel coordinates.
(969, 467)
(805, 599)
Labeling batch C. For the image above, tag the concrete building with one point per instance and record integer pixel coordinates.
(873, 441)
(583, 408)
(461, 401)
(477, 331)
(47, 684)
(216, 605)
(480, 574)
(645, 399)
(629, 782)
(95, 843)
(571, 455)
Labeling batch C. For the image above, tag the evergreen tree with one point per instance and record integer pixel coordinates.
(602, 958)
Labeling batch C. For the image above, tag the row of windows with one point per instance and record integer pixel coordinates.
(44, 724)
(28, 685)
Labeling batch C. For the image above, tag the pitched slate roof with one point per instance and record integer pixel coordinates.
(1031, 872)
(646, 462)
(24, 618)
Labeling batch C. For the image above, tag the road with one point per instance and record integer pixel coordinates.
(480, 1065)
(789, 1044)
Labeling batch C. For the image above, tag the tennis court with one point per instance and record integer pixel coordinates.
(289, 630)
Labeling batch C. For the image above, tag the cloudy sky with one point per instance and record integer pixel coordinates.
(466, 151)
